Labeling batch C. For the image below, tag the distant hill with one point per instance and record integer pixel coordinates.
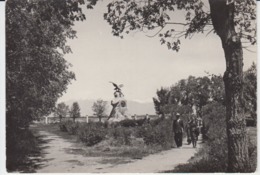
(133, 107)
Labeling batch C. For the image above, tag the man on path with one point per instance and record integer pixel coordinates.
(178, 128)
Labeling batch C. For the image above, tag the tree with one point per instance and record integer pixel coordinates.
(202, 93)
(61, 110)
(232, 20)
(217, 89)
(36, 72)
(161, 103)
(99, 107)
(75, 111)
(250, 82)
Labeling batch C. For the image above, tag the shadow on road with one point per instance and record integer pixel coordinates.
(33, 160)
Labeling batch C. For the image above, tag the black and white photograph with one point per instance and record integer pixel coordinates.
(130, 86)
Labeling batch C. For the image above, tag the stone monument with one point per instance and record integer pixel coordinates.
(119, 105)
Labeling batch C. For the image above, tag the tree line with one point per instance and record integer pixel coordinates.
(62, 110)
(192, 94)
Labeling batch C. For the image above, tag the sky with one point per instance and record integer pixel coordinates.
(138, 62)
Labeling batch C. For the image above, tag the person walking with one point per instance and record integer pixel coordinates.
(194, 132)
(188, 131)
(178, 128)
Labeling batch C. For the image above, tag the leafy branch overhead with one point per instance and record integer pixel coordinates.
(159, 16)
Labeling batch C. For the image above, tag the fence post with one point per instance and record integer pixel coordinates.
(87, 118)
(46, 120)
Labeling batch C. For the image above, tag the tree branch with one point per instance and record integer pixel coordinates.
(177, 23)
(151, 36)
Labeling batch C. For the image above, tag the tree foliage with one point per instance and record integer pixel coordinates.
(191, 92)
(99, 107)
(75, 111)
(143, 15)
(250, 91)
(36, 71)
(162, 101)
(62, 110)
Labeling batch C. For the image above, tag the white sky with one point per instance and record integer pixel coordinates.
(141, 63)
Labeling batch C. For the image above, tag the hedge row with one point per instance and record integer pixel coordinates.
(157, 132)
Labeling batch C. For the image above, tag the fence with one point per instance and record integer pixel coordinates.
(87, 119)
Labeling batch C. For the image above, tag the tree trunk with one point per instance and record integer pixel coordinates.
(222, 15)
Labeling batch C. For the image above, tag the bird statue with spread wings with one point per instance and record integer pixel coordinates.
(118, 88)
(119, 105)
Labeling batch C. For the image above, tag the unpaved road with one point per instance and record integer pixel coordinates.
(59, 158)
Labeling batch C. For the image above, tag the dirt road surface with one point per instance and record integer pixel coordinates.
(59, 157)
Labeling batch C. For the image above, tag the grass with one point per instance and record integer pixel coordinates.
(24, 153)
(201, 163)
(252, 132)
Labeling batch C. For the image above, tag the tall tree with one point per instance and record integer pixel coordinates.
(232, 20)
(75, 111)
(36, 72)
(202, 93)
(99, 107)
(62, 110)
(161, 102)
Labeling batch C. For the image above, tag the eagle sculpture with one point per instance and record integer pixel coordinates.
(117, 88)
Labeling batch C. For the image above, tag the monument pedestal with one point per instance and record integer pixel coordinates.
(120, 110)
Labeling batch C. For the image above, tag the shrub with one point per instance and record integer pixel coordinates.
(160, 134)
(122, 135)
(63, 127)
(91, 133)
(140, 122)
(69, 126)
(156, 121)
(72, 127)
(128, 123)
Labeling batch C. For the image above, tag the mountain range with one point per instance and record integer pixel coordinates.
(134, 107)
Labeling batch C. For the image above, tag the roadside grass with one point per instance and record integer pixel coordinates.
(202, 162)
(252, 132)
(24, 152)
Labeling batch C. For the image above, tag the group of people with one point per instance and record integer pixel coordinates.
(193, 129)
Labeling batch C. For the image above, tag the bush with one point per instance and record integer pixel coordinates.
(69, 126)
(72, 128)
(122, 135)
(140, 122)
(156, 121)
(128, 123)
(91, 133)
(160, 134)
(214, 120)
(63, 127)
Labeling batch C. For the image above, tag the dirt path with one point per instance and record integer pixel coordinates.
(59, 158)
